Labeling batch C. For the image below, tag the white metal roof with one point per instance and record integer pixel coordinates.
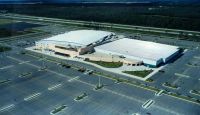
(137, 48)
(80, 37)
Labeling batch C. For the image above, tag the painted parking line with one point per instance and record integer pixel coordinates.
(14, 59)
(54, 87)
(7, 107)
(24, 62)
(181, 75)
(6, 67)
(72, 79)
(31, 97)
(18, 60)
(197, 57)
(147, 104)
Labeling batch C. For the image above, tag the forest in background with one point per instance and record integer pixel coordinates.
(185, 17)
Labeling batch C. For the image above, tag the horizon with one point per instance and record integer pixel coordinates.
(97, 1)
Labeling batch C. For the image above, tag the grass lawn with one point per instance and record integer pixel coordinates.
(107, 64)
(9, 33)
(142, 74)
(4, 48)
(6, 21)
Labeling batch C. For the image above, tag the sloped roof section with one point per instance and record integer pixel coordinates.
(80, 37)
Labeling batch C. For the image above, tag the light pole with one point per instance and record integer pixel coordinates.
(43, 65)
(2, 50)
(99, 82)
(112, 58)
(99, 85)
(4, 54)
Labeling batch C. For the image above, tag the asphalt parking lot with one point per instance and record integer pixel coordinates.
(179, 73)
(41, 91)
(112, 99)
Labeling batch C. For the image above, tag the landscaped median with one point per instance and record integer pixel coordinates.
(151, 88)
(166, 84)
(195, 92)
(142, 74)
(25, 74)
(122, 80)
(58, 109)
(80, 97)
(183, 97)
(107, 64)
(4, 81)
(193, 64)
(149, 80)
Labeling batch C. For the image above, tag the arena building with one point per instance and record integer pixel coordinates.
(151, 53)
(106, 46)
(75, 43)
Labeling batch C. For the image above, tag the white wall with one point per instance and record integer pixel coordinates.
(147, 61)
